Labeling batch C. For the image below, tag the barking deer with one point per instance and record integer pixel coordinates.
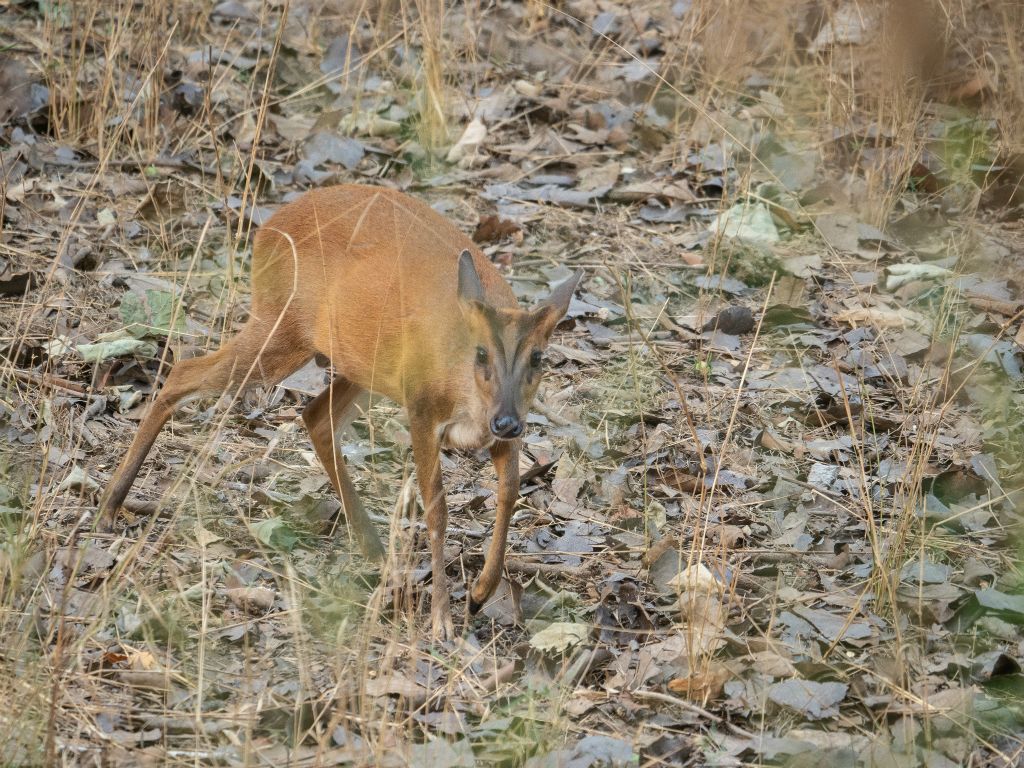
(404, 305)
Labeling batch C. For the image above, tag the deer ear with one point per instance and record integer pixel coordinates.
(552, 309)
(470, 287)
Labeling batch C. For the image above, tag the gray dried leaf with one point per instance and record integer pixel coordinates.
(232, 10)
(341, 58)
(325, 147)
(719, 283)
(925, 572)
(813, 700)
(439, 752)
(598, 751)
(833, 627)
(211, 55)
(995, 600)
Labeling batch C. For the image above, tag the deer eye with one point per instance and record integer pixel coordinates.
(535, 358)
(481, 356)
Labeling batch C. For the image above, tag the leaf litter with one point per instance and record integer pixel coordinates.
(770, 495)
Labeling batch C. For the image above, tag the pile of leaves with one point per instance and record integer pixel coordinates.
(771, 490)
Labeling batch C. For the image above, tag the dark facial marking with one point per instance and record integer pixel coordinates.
(495, 326)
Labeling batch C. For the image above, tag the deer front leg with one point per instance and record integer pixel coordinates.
(505, 456)
(427, 454)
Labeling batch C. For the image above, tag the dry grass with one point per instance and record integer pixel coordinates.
(97, 651)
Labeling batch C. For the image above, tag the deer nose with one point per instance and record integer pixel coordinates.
(506, 427)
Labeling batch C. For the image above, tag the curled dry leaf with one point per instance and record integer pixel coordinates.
(880, 317)
(772, 441)
(143, 671)
(702, 604)
(621, 614)
(734, 321)
(466, 147)
(901, 274)
(79, 480)
(729, 537)
(748, 223)
(492, 229)
(394, 683)
(704, 685)
(252, 599)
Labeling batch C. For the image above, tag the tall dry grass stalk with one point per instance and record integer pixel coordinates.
(104, 63)
(433, 101)
(878, 92)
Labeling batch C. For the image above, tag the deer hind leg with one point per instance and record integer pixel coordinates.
(256, 355)
(324, 418)
(426, 452)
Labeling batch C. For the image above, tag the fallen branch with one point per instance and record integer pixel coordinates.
(46, 380)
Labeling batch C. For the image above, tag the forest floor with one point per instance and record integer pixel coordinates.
(772, 488)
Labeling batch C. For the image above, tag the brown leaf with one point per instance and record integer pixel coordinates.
(679, 480)
(252, 599)
(394, 683)
(973, 90)
(771, 441)
(492, 229)
(729, 537)
(703, 686)
(144, 671)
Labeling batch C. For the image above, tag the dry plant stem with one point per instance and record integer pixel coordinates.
(407, 501)
(317, 84)
(689, 706)
(261, 118)
(203, 630)
(653, 347)
(47, 380)
(499, 677)
(515, 565)
(546, 411)
(889, 577)
(433, 112)
(177, 305)
(584, 661)
(26, 320)
(699, 542)
(690, 101)
(922, 448)
(61, 640)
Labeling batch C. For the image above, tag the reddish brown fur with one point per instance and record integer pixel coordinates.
(378, 284)
(371, 278)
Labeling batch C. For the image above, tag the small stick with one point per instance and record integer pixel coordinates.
(532, 569)
(545, 410)
(503, 674)
(689, 706)
(45, 379)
